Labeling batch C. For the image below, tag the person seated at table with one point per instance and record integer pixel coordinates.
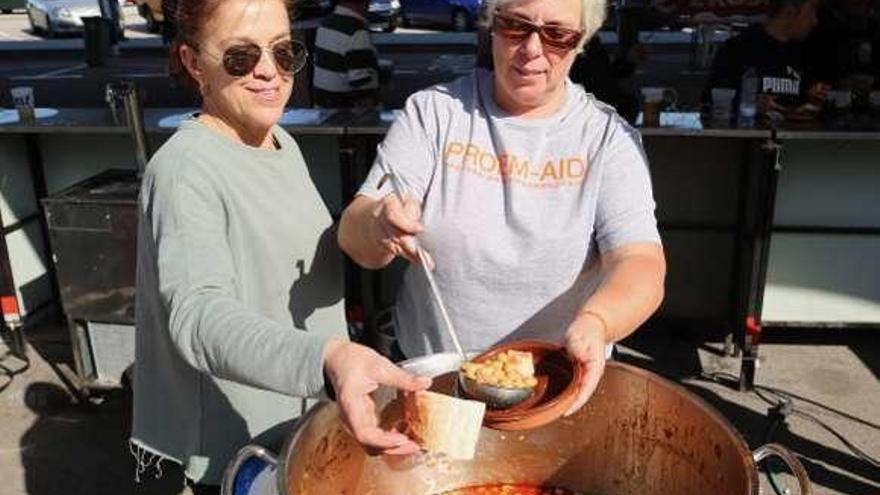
(168, 28)
(594, 69)
(346, 67)
(239, 278)
(533, 198)
(846, 42)
(775, 50)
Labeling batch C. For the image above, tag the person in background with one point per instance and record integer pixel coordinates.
(775, 50)
(346, 67)
(169, 12)
(239, 280)
(533, 198)
(846, 42)
(598, 74)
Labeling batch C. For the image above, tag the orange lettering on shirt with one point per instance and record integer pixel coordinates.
(488, 162)
(575, 168)
(471, 153)
(549, 171)
(502, 166)
(517, 168)
(452, 149)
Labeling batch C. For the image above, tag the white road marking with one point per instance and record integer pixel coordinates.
(46, 78)
(148, 74)
(56, 74)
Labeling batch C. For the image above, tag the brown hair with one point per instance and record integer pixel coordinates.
(189, 18)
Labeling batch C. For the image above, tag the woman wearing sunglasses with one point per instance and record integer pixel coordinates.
(533, 198)
(239, 302)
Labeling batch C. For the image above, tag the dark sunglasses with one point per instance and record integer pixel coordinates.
(552, 36)
(240, 60)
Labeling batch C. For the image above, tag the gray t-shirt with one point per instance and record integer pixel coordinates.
(516, 211)
(239, 286)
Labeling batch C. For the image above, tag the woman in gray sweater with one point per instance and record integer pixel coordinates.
(239, 302)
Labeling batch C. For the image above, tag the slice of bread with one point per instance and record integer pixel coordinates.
(522, 362)
(444, 424)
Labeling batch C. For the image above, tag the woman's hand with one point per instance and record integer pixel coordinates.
(767, 105)
(355, 372)
(585, 341)
(394, 226)
(817, 93)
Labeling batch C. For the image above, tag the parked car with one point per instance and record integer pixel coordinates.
(53, 17)
(7, 6)
(310, 8)
(459, 15)
(151, 11)
(384, 14)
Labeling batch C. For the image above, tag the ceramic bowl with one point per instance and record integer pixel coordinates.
(558, 378)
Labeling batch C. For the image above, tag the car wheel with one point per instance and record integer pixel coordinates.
(34, 28)
(7, 11)
(393, 23)
(461, 21)
(50, 30)
(152, 25)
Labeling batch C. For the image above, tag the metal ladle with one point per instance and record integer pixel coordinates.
(499, 397)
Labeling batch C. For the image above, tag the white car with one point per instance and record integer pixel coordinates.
(53, 17)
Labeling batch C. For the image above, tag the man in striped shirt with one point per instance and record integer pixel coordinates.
(346, 69)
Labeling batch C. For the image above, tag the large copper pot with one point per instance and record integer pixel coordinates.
(639, 434)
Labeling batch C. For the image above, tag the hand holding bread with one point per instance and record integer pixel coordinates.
(355, 371)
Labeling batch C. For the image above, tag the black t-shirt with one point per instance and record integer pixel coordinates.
(779, 66)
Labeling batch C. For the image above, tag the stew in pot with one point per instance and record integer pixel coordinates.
(506, 489)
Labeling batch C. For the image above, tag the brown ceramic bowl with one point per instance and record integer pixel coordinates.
(558, 378)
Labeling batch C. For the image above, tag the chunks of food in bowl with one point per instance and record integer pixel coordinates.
(509, 369)
(505, 489)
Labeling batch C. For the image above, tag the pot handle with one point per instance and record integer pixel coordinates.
(790, 460)
(240, 474)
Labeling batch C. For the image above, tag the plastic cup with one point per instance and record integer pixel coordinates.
(23, 99)
(874, 99)
(840, 99)
(652, 95)
(654, 100)
(722, 104)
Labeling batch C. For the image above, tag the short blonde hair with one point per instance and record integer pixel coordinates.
(592, 16)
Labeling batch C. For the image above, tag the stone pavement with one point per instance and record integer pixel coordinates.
(52, 445)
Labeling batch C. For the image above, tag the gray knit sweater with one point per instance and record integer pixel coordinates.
(239, 285)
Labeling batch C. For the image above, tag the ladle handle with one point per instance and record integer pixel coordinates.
(790, 460)
(423, 255)
(436, 292)
(246, 453)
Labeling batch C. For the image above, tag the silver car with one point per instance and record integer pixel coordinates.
(53, 17)
(384, 14)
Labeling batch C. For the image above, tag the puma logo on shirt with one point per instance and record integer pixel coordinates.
(789, 85)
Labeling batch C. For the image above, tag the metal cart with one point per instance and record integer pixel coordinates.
(93, 236)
